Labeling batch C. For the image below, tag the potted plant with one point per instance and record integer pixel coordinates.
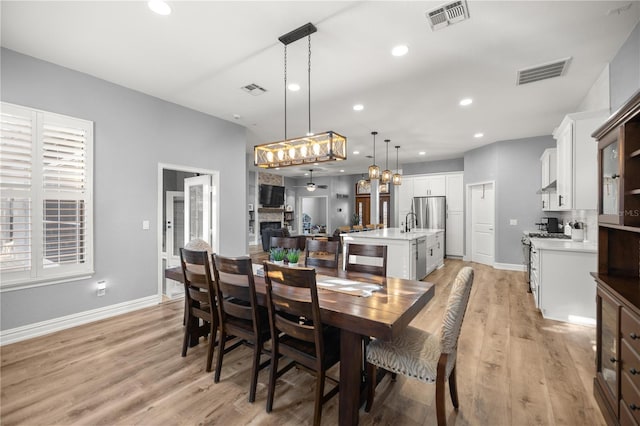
(293, 256)
(277, 255)
(355, 219)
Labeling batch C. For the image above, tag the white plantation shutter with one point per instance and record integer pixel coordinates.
(46, 203)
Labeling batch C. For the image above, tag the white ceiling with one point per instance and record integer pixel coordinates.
(205, 51)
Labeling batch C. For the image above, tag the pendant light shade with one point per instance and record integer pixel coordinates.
(397, 177)
(385, 177)
(374, 170)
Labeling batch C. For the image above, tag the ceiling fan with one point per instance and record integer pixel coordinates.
(311, 186)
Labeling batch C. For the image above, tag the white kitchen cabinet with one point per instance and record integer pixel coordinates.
(435, 251)
(548, 162)
(455, 192)
(577, 155)
(561, 283)
(455, 233)
(405, 198)
(425, 186)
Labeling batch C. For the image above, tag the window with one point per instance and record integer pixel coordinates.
(46, 170)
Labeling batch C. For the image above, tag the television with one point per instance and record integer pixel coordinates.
(271, 195)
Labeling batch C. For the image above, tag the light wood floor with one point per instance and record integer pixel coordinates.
(514, 368)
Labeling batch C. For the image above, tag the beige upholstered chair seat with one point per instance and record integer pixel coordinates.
(414, 353)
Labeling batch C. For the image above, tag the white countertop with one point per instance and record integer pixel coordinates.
(564, 245)
(393, 234)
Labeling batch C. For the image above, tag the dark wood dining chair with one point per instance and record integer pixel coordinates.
(430, 358)
(371, 259)
(285, 242)
(239, 314)
(292, 294)
(323, 254)
(199, 300)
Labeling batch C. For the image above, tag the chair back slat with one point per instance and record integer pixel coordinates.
(284, 242)
(371, 259)
(455, 310)
(329, 249)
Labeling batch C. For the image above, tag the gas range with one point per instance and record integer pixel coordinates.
(554, 235)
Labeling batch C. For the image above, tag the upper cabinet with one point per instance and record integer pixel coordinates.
(425, 186)
(455, 192)
(549, 197)
(577, 154)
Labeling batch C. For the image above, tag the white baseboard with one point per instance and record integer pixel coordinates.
(56, 324)
(510, 266)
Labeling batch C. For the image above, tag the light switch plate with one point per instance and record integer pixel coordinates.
(145, 224)
(513, 222)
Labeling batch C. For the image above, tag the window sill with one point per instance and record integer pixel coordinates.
(22, 285)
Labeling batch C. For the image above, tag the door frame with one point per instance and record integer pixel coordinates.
(215, 175)
(299, 221)
(468, 214)
(170, 195)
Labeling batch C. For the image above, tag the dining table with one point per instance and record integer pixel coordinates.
(383, 314)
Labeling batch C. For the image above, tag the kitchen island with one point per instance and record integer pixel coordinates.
(560, 279)
(410, 255)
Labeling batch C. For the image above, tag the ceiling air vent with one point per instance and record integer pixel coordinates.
(254, 89)
(448, 14)
(543, 72)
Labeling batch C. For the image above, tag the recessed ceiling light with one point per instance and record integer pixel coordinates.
(277, 168)
(294, 87)
(358, 107)
(422, 153)
(466, 101)
(356, 152)
(478, 135)
(315, 164)
(341, 170)
(236, 116)
(306, 174)
(160, 7)
(399, 50)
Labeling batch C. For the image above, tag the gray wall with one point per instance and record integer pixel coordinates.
(515, 168)
(441, 166)
(133, 132)
(624, 71)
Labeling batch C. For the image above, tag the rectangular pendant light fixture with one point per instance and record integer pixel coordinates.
(319, 148)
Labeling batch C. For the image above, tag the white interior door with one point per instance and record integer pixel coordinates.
(174, 227)
(482, 223)
(198, 209)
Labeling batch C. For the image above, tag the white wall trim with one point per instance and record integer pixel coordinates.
(56, 324)
(509, 266)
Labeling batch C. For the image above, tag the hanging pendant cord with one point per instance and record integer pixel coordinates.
(309, 85)
(386, 161)
(285, 92)
(374, 148)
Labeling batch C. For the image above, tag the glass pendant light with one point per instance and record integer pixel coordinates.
(385, 177)
(397, 177)
(374, 170)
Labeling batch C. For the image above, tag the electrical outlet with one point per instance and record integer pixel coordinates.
(101, 288)
(145, 224)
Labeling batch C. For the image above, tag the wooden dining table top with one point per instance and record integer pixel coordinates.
(384, 314)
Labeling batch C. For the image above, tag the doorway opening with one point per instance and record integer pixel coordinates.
(188, 208)
(314, 217)
(481, 223)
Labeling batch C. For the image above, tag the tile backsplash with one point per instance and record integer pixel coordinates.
(590, 219)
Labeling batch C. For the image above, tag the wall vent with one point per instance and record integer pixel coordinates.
(448, 14)
(543, 72)
(254, 89)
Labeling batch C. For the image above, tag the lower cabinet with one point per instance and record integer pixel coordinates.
(617, 381)
(435, 251)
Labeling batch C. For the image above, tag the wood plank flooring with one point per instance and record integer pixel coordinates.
(514, 368)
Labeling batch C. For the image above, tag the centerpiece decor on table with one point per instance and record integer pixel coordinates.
(277, 255)
(293, 256)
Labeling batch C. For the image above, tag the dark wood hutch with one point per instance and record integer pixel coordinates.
(617, 381)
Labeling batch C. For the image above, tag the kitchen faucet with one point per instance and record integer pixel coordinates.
(407, 228)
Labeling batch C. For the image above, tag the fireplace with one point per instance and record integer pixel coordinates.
(269, 225)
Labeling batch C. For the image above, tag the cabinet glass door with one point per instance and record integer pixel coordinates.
(608, 356)
(610, 179)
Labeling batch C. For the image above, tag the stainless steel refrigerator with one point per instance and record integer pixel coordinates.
(431, 213)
